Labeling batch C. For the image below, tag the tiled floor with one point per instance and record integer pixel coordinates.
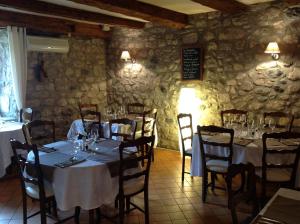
(171, 201)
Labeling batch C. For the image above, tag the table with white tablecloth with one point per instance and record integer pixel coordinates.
(241, 154)
(89, 184)
(77, 128)
(8, 130)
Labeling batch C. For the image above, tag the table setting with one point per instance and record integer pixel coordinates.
(247, 146)
(82, 173)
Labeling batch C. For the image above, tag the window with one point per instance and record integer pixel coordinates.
(8, 107)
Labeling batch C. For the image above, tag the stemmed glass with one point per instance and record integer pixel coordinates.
(108, 112)
(122, 111)
(272, 124)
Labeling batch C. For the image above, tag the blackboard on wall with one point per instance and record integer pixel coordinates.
(192, 63)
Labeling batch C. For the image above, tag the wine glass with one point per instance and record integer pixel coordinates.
(108, 112)
(94, 134)
(77, 146)
(272, 124)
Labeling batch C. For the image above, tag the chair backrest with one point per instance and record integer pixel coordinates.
(135, 108)
(130, 135)
(234, 112)
(186, 129)
(245, 191)
(26, 115)
(144, 147)
(282, 120)
(39, 132)
(296, 125)
(290, 152)
(88, 106)
(149, 122)
(33, 168)
(225, 143)
(88, 125)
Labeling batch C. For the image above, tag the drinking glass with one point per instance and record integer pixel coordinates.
(272, 124)
(94, 134)
(108, 112)
(77, 146)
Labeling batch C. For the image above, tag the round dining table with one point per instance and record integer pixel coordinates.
(242, 153)
(8, 130)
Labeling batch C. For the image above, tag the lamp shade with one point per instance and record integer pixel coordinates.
(125, 55)
(272, 48)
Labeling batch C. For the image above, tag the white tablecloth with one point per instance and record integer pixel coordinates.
(241, 154)
(8, 130)
(88, 184)
(77, 127)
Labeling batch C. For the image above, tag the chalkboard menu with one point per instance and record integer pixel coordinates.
(191, 62)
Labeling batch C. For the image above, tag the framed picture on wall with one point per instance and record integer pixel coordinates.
(191, 62)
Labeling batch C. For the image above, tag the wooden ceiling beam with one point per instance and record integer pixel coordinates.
(141, 10)
(61, 26)
(228, 6)
(71, 13)
(293, 1)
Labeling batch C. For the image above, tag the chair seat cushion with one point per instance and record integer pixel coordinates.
(133, 186)
(276, 175)
(217, 165)
(32, 190)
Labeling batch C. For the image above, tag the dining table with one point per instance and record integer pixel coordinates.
(244, 150)
(90, 180)
(8, 130)
(282, 208)
(77, 128)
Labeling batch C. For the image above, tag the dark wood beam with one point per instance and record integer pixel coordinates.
(54, 25)
(229, 6)
(71, 13)
(293, 1)
(140, 10)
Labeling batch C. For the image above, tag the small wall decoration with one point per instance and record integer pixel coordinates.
(192, 62)
(39, 70)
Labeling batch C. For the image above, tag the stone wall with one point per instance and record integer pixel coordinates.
(8, 105)
(78, 76)
(237, 73)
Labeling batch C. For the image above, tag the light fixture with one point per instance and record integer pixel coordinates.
(273, 49)
(126, 57)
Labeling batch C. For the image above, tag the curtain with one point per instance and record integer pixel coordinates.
(18, 59)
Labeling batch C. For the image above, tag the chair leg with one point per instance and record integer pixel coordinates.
(77, 214)
(213, 178)
(146, 206)
(24, 209)
(153, 155)
(121, 210)
(204, 186)
(43, 213)
(98, 214)
(127, 204)
(183, 167)
(54, 208)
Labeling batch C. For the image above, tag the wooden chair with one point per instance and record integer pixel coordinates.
(26, 115)
(135, 108)
(39, 132)
(148, 124)
(278, 116)
(186, 134)
(272, 171)
(133, 183)
(88, 125)
(88, 106)
(123, 121)
(233, 112)
(244, 193)
(35, 186)
(212, 163)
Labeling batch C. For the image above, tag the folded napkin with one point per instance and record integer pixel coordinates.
(274, 143)
(47, 149)
(70, 162)
(242, 141)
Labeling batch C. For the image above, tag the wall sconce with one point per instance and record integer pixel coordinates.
(273, 49)
(126, 56)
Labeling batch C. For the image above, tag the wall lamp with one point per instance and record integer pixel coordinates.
(273, 49)
(126, 57)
